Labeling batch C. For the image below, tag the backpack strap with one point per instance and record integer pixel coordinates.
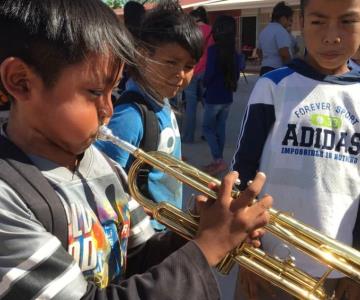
(29, 183)
(151, 135)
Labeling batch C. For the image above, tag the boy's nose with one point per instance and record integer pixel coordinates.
(106, 110)
(180, 74)
(332, 40)
(332, 35)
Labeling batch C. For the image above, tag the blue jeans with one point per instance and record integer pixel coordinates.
(191, 100)
(214, 127)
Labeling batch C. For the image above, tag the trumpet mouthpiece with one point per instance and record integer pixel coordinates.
(104, 133)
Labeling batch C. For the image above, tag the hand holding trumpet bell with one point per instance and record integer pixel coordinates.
(227, 222)
(232, 208)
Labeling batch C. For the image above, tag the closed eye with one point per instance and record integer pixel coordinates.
(96, 93)
(317, 22)
(349, 21)
(171, 62)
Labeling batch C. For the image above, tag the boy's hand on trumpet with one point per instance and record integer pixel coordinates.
(227, 222)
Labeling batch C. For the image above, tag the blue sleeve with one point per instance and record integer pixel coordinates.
(127, 124)
(210, 71)
(282, 38)
(257, 123)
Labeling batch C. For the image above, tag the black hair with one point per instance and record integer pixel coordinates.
(224, 33)
(133, 14)
(168, 23)
(200, 14)
(51, 35)
(164, 24)
(281, 10)
(303, 3)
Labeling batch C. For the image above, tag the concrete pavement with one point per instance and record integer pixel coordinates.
(198, 155)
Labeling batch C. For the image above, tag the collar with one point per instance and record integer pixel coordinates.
(301, 67)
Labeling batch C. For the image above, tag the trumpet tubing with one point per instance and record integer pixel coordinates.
(281, 273)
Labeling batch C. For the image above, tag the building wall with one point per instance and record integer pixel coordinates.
(263, 17)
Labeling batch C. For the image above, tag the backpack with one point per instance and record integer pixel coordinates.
(18, 171)
(151, 135)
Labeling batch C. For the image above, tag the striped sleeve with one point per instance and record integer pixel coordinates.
(33, 264)
(257, 122)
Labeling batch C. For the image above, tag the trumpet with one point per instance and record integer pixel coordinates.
(281, 273)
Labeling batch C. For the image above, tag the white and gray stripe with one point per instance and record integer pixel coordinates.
(17, 273)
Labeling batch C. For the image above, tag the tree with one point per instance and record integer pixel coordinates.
(115, 3)
(120, 3)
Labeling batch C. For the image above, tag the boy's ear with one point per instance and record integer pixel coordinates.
(16, 78)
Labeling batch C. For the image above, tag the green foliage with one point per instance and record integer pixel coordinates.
(115, 3)
(120, 3)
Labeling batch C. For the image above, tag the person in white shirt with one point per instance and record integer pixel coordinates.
(274, 40)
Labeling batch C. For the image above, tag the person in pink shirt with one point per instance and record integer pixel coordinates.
(194, 92)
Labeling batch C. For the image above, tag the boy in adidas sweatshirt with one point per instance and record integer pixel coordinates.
(302, 128)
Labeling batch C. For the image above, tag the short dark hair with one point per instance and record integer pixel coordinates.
(200, 14)
(281, 10)
(303, 3)
(168, 23)
(51, 35)
(133, 15)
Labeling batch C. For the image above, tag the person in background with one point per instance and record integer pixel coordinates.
(222, 72)
(294, 48)
(133, 14)
(194, 92)
(4, 107)
(170, 44)
(302, 128)
(274, 40)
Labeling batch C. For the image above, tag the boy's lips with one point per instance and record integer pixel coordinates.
(330, 54)
(174, 85)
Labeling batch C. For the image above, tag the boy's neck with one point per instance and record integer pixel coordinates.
(336, 71)
(32, 142)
